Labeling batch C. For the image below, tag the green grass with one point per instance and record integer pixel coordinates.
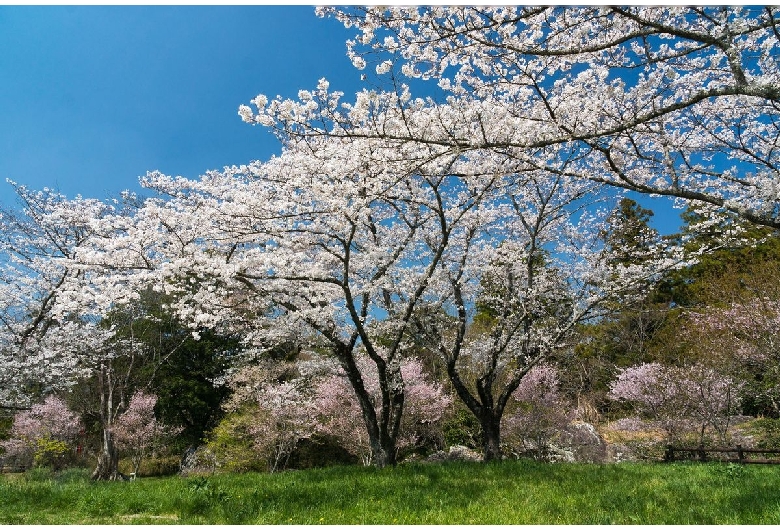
(459, 493)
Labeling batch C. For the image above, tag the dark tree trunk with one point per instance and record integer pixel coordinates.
(488, 414)
(383, 454)
(382, 429)
(491, 438)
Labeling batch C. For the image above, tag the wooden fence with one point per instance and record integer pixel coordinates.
(737, 454)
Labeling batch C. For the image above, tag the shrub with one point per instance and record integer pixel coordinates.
(765, 432)
(320, 451)
(232, 444)
(461, 427)
(49, 452)
(42, 436)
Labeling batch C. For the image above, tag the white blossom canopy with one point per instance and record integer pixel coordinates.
(677, 101)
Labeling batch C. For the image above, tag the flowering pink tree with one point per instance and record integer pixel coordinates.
(679, 397)
(542, 411)
(714, 398)
(338, 414)
(287, 415)
(428, 404)
(137, 431)
(742, 338)
(42, 435)
(338, 417)
(279, 400)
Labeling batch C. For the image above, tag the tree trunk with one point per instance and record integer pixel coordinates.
(491, 438)
(382, 432)
(489, 416)
(383, 446)
(383, 452)
(108, 460)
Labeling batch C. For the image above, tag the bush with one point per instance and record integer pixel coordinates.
(5, 427)
(462, 428)
(320, 451)
(42, 436)
(156, 466)
(232, 444)
(541, 415)
(73, 475)
(765, 432)
(50, 453)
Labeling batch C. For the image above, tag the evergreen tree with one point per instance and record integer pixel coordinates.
(621, 338)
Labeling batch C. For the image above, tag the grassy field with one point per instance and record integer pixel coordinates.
(457, 493)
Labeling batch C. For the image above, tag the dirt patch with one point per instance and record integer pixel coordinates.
(168, 517)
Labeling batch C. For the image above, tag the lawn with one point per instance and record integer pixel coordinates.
(511, 492)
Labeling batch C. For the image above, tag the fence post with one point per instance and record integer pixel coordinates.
(702, 454)
(740, 454)
(669, 455)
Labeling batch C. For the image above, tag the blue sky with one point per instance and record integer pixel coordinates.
(93, 97)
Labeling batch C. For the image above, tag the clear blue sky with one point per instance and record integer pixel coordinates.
(93, 97)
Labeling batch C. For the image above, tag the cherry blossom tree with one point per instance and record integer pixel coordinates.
(338, 414)
(517, 283)
(56, 328)
(741, 337)
(42, 435)
(676, 101)
(50, 340)
(273, 249)
(679, 396)
(339, 417)
(542, 411)
(277, 253)
(652, 393)
(38, 347)
(111, 369)
(137, 431)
